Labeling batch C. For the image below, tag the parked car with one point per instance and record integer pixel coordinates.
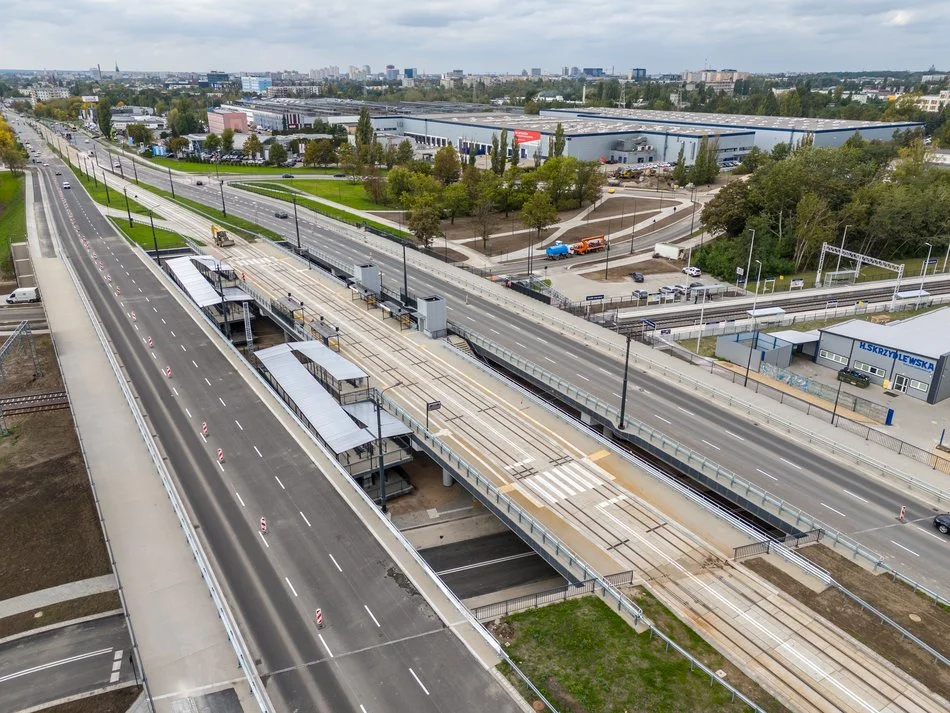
(854, 377)
(668, 290)
(637, 276)
(942, 523)
(280, 214)
(695, 284)
(681, 289)
(641, 294)
(692, 271)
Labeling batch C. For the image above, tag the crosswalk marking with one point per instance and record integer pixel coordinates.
(562, 482)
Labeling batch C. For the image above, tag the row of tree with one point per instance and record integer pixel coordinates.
(888, 197)
(12, 154)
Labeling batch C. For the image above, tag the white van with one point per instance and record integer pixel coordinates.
(24, 294)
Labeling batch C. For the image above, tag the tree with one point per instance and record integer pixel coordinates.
(483, 205)
(446, 167)
(211, 143)
(560, 176)
(515, 151)
(375, 186)
(589, 183)
(364, 131)
(177, 144)
(376, 154)
(104, 116)
(350, 161)
(558, 142)
(227, 140)
(532, 108)
(390, 155)
(728, 211)
(680, 174)
(399, 185)
(455, 201)
(706, 167)
(404, 152)
(424, 221)
(496, 159)
(276, 154)
(319, 153)
(538, 212)
(139, 133)
(252, 147)
(502, 153)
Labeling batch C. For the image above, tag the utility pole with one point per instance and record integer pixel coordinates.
(379, 445)
(127, 209)
(623, 391)
(223, 207)
(296, 222)
(171, 183)
(838, 266)
(151, 222)
(748, 264)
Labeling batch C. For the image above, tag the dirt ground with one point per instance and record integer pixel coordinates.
(621, 273)
(51, 531)
(112, 702)
(450, 254)
(61, 611)
(426, 477)
(918, 615)
(504, 244)
(466, 227)
(615, 207)
(601, 227)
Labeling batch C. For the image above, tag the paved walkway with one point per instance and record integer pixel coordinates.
(54, 595)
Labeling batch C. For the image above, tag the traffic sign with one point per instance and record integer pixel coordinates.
(932, 261)
(433, 406)
(649, 323)
(593, 298)
(740, 271)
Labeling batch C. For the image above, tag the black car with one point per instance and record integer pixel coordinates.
(199, 183)
(280, 214)
(286, 175)
(339, 175)
(855, 377)
(637, 276)
(942, 523)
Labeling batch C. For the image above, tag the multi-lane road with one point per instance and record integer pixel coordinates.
(383, 647)
(828, 489)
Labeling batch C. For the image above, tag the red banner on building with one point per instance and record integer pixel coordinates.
(527, 137)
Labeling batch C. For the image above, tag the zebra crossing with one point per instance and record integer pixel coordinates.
(562, 482)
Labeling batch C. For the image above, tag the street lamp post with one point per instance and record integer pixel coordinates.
(623, 392)
(379, 445)
(834, 411)
(171, 183)
(135, 172)
(755, 331)
(405, 276)
(607, 260)
(108, 200)
(748, 264)
(702, 310)
(838, 266)
(127, 209)
(633, 230)
(923, 273)
(151, 222)
(296, 222)
(223, 207)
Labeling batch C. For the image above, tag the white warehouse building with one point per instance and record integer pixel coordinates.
(586, 138)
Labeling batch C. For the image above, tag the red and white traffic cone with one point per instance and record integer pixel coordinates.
(902, 513)
(220, 456)
(318, 617)
(148, 340)
(204, 428)
(132, 315)
(117, 290)
(168, 372)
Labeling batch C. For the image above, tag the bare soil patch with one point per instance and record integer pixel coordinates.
(918, 615)
(503, 244)
(51, 532)
(448, 253)
(627, 207)
(647, 267)
(426, 477)
(61, 611)
(118, 701)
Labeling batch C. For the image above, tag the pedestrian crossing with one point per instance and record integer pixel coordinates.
(562, 482)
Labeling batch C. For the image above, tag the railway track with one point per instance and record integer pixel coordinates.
(31, 403)
(796, 656)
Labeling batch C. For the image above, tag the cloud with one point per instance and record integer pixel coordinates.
(477, 35)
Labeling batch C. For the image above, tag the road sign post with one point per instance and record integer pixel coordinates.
(432, 406)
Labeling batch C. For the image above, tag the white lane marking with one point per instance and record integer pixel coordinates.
(904, 548)
(362, 709)
(239, 424)
(183, 347)
(291, 586)
(604, 370)
(582, 377)
(335, 563)
(148, 300)
(222, 402)
(195, 363)
(550, 360)
(203, 437)
(175, 390)
(543, 341)
(305, 519)
(240, 499)
(833, 510)
(163, 321)
(854, 496)
(173, 334)
(656, 415)
(521, 345)
(53, 664)
(685, 411)
(735, 435)
(372, 617)
(928, 532)
(767, 475)
(153, 356)
(279, 483)
(425, 690)
(221, 466)
(207, 382)
(794, 465)
(494, 330)
(263, 539)
(320, 636)
(712, 445)
(258, 452)
(188, 412)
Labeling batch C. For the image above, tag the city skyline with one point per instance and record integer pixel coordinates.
(486, 36)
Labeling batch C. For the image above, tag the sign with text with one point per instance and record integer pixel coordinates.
(594, 298)
(433, 406)
(913, 361)
(527, 137)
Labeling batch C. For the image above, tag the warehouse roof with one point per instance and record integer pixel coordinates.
(926, 334)
(734, 121)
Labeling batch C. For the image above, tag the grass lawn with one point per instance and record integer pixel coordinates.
(869, 273)
(584, 657)
(115, 199)
(284, 193)
(245, 228)
(12, 218)
(196, 167)
(352, 195)
(141, 234)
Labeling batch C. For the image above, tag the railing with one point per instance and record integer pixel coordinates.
(765, 546)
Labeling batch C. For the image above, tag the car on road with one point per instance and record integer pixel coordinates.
(637, 276)
(280, 214)
(692, 271)
(286, 175)
(59, 173)
(199, 182)
(339, 175)
(45, 164)
(942, 523)
(854, 377)
(66, 185)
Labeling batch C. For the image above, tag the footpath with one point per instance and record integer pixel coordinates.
(181, 643)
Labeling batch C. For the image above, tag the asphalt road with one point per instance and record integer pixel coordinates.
(383, 648)
(64, 662)
(833, 492)
(487, 564)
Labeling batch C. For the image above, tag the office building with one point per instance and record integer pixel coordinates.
(255, 85)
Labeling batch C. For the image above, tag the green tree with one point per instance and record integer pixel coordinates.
(496, 159)
(321, 152)
(424, 221)
(404, 152)
(212, 142)
(399, 186)
(364, 131)
(589, 182)
(680, 174)
(538, 212)
(139, 133)
(446, 166)
(177, 144)
(559, 176)
(515, 151)
(375, 186)
(472, 156)
(558, 142)
(706, 166)
(390, 155)
(252, 147)
(227, 140)
(455, 201)
(276, 154)
(104, 115)
(729, 209)
(531, 108)
(350, 161)
(502, 153)
(483, 205)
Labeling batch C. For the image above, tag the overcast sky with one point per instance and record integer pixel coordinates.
(474, 35)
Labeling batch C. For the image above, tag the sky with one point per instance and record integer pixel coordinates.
(499, 36)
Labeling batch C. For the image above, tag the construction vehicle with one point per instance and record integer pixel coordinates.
(559, 250)
(587, 245)
(221, 237)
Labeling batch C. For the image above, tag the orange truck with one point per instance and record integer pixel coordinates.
(590, 245)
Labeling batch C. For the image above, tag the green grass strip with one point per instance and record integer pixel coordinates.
(113, 199)
(247, 229)
(141, 234)
(12, 218)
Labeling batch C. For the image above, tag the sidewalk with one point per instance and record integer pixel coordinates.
(182, 645)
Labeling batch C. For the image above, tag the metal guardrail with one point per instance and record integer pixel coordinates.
(765, 546)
